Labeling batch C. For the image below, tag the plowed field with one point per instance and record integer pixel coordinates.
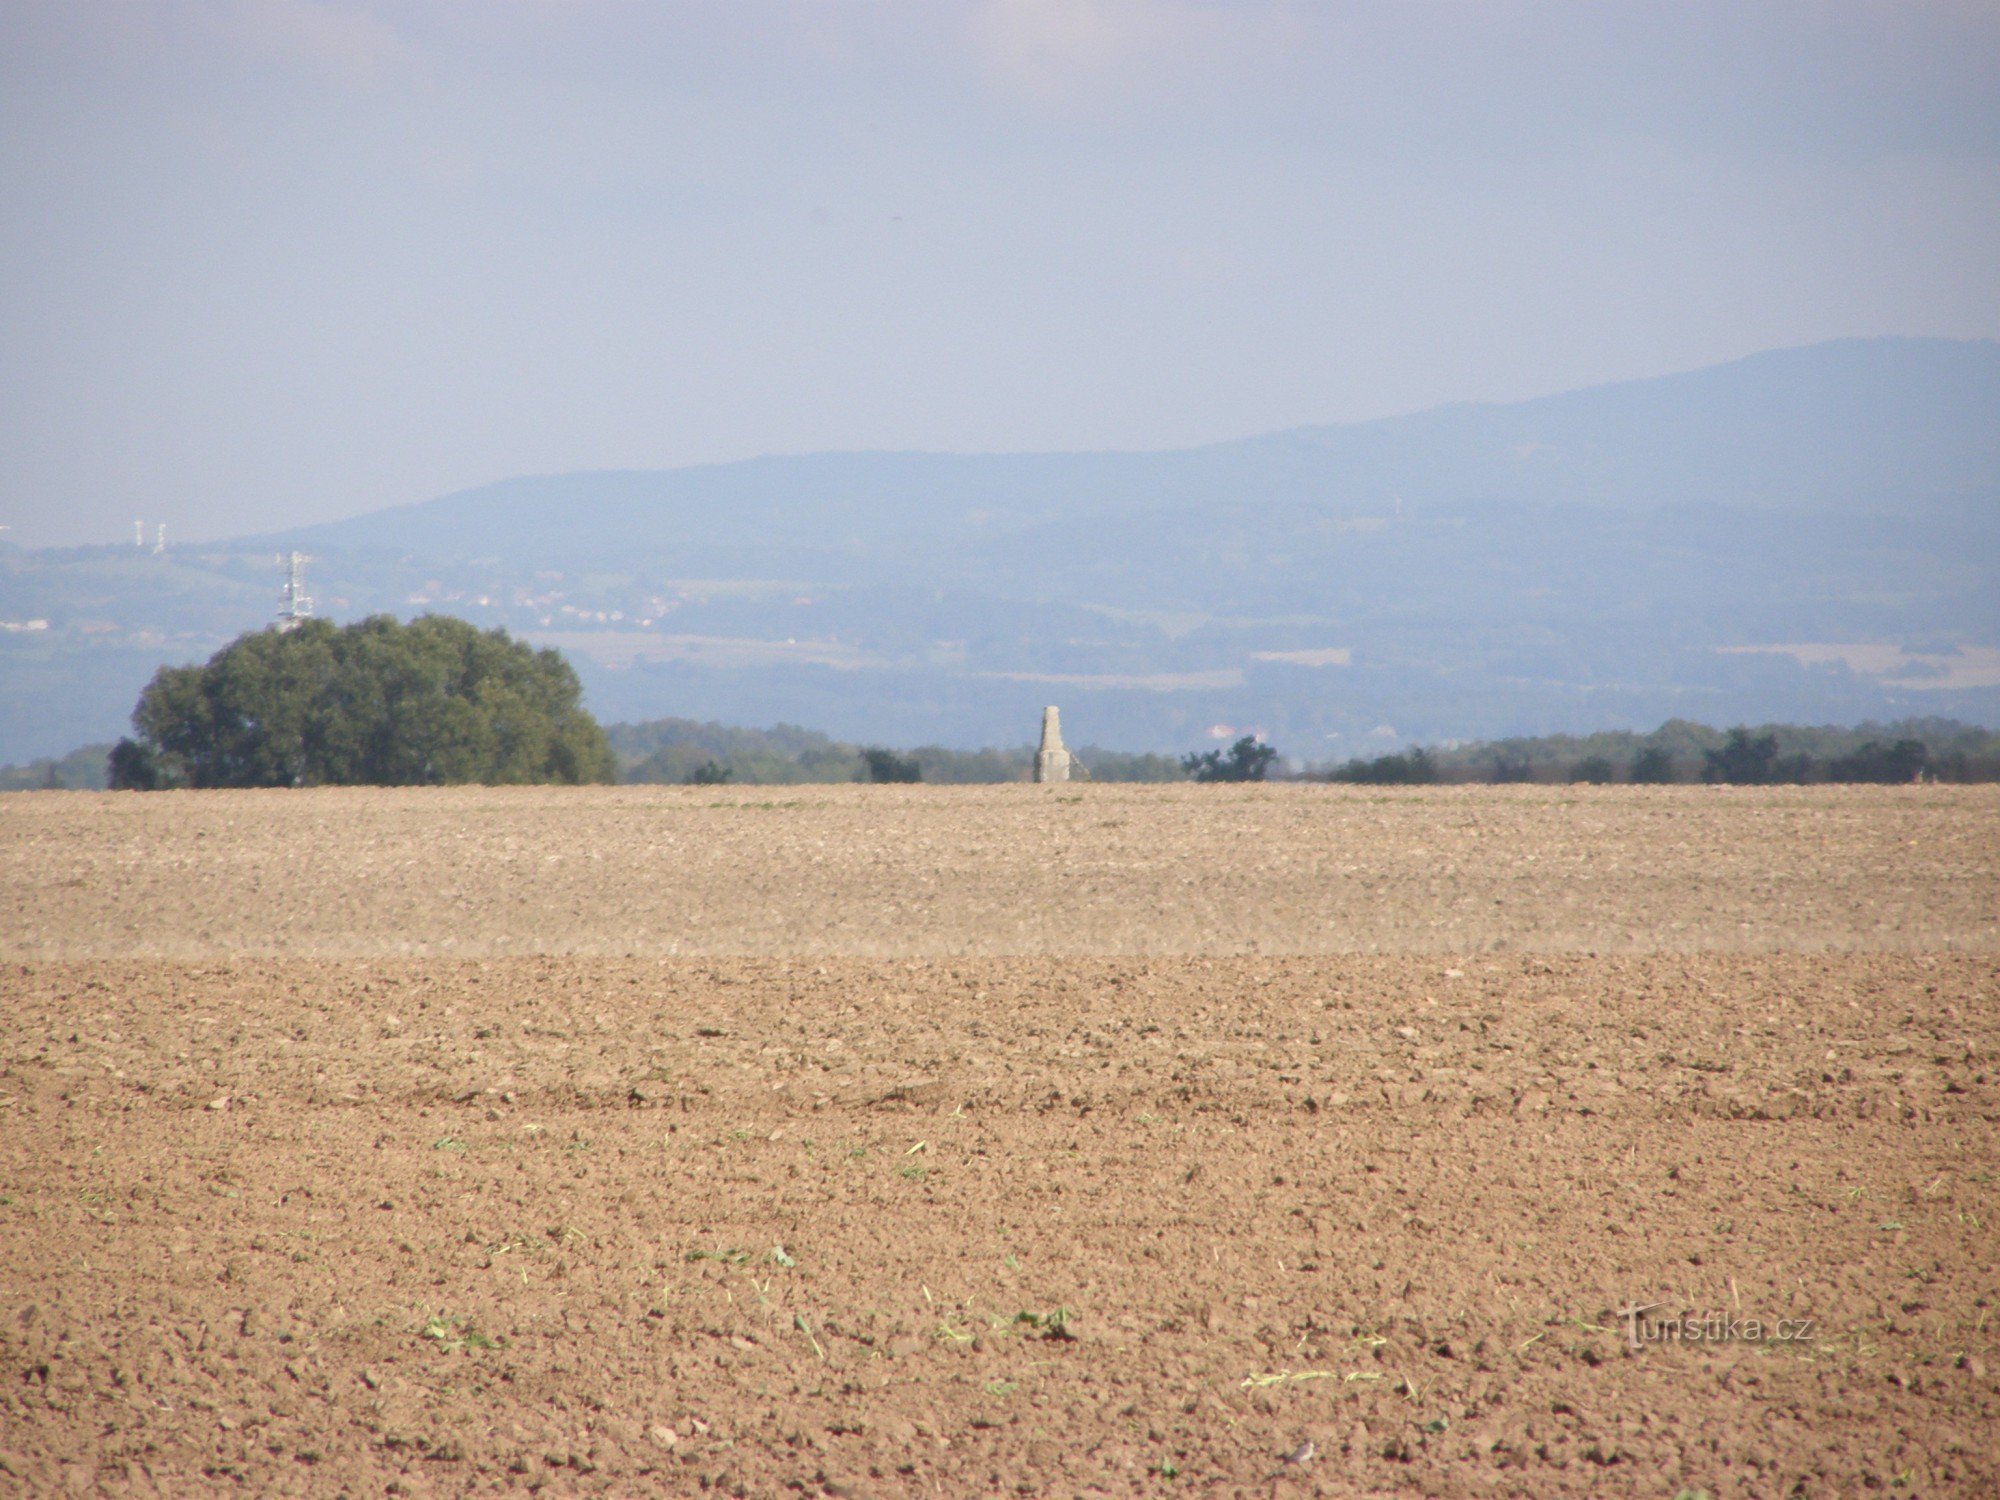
(1001, 1141)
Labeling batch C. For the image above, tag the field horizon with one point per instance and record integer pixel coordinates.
(1076, 870)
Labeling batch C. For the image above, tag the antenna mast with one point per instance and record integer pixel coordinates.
(298, 605)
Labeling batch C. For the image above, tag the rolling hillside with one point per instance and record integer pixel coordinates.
(1807, 534)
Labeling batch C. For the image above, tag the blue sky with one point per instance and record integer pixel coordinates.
(271, 261)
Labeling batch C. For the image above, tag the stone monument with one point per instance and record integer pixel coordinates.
(1051, 759)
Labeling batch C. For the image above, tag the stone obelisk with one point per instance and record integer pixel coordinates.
(1051, 760)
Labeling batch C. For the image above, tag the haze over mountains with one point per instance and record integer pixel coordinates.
(1609, 557)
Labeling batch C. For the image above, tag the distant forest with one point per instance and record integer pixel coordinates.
(84, 770)
(684, 750)
(1683, 751)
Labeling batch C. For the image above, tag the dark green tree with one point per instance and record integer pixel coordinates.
(134, 767)
(1903, 761)
(1652, 766)
(1594, 769)
(888, 766)
(710, 773)
(1742, 760)
(375, 703)
(1413, 767)
(1246, 760)
(1798, 766)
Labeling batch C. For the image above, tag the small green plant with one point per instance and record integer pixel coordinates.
(448, 1333)
(447, 1143)
(799, 1322)
(1050, 1325)
(1166, 1468)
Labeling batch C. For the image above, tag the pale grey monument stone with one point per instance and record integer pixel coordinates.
(1051, 760)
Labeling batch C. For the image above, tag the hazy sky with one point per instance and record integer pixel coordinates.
(267, 261)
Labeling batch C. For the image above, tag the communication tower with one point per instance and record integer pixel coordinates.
(298, 605)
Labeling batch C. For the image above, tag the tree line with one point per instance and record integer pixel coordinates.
(690, 751)
(438, 701)
(1683, 751)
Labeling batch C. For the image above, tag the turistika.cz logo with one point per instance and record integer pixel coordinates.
(1641, 1328)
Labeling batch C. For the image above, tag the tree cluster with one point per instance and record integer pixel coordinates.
(375, 703)
(80, 770)
(1413, 767)
(889, 767)
(1683, 751)
(1246, 760)
(1754, 760)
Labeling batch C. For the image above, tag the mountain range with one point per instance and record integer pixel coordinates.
(1809, 534)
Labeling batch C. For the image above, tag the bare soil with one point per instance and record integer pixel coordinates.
(896, 872)
(1264, 1142)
